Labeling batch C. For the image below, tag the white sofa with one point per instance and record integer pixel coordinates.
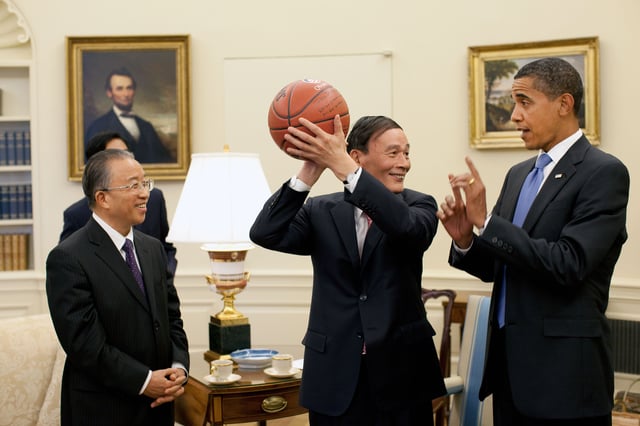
(31, 363)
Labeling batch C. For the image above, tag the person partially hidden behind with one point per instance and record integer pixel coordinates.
(155, 222)
(114, 308)
(369, 355)
(549, 344)
(139, 134)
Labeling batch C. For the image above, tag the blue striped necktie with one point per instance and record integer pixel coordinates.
(527, 195)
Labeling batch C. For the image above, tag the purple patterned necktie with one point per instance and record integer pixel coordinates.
(131, 263)
(528, 193)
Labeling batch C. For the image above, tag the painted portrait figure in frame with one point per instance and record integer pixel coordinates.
(134, 94)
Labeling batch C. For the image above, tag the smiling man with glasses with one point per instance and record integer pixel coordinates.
(114, 306)
(155, 223)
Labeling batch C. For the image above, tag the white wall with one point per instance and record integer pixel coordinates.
(428, 41)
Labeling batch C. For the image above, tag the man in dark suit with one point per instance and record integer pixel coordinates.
(155, 222)
(369, 353)
(549, 356)
(139, 134)
(116, 311)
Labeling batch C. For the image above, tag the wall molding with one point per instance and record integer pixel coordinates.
(13, 27)
(276, 303)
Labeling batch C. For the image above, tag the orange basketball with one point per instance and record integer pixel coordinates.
(315, 100)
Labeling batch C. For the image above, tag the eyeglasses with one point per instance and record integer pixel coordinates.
(135, 186)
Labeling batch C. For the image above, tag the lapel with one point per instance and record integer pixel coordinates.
(557, 179)
(370, 242)
(148, 271)
(119, 127)
(374, 235)
(345, 222)
(512, 191)
(107, 252)
(342, 215)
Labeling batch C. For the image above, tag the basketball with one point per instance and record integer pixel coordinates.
(315, 100)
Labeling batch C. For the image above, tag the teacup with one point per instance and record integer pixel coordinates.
(282, 363)
(221, 369)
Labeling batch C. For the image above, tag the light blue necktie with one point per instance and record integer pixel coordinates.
(525, 199)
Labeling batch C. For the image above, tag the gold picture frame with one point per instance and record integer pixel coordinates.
(155, 71)
(491, 71)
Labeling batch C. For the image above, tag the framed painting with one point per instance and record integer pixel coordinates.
(491, 72)
(137, 87)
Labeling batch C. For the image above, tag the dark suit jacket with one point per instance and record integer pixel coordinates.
(559, 267)
(111, 334)
(155, 223)
(376, 300)
(147, 149)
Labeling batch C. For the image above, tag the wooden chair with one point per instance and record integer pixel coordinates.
(441, 405)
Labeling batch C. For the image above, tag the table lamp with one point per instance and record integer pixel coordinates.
(222, 195)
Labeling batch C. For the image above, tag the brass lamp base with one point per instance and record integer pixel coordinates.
(229, 329)
(228, 289)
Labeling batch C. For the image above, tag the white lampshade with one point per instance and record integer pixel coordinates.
(221, 197)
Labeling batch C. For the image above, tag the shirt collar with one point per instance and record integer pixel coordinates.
(119, 112)
(116, 237)
(557, 152)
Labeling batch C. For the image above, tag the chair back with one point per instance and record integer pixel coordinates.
(444, 354)
(441, 405)
(467, 409)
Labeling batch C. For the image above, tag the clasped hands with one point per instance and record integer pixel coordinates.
(165, 385)
(458, 215)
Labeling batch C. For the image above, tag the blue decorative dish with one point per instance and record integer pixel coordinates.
(253, 359)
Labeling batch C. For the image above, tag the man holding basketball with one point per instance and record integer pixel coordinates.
(368, 342)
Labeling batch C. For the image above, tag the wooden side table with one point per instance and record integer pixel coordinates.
(256, 397)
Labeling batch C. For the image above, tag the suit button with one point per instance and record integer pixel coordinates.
(359, 336)
(494, 240)
(363, 297)
(499, 243)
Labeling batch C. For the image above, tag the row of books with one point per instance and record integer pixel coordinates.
(15, 252)
(15, 201)
(15, 148)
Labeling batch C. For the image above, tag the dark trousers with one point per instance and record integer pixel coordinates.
(505, 412)
(364, 411)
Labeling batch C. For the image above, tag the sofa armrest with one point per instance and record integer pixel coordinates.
(49, 414)
(29, 346)
(454, 384)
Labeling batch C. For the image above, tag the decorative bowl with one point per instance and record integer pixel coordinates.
(253, 359)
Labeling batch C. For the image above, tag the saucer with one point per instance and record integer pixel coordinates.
(253, 359)
(231, 379)
(273, 373)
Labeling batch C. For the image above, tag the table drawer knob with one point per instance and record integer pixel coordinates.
(274, 404)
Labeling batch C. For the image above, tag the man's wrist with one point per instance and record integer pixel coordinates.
(483, 225)
(298, 185)
(465, 247)
(351, 176)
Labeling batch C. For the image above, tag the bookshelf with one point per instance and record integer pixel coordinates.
(16, 173)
